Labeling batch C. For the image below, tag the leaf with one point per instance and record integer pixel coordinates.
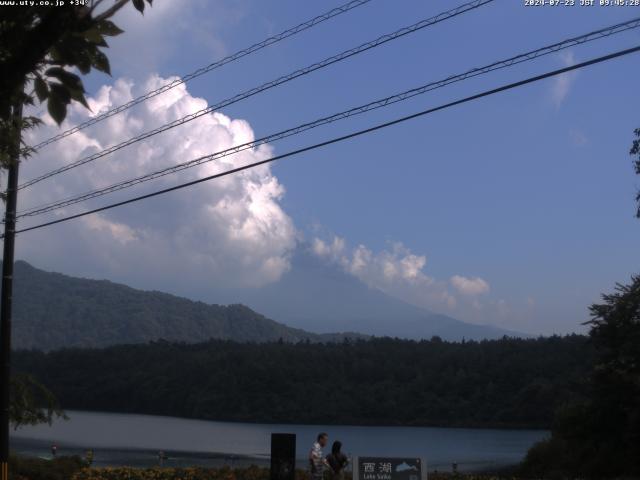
(61, 92)
(72, 86)
(66, 50)
(94, 36)
(84, 64)
(103, 43)
(57, 109)
(139, 5)
(78, 96)
(101, 62)
(70, 80)
(107, 27)
(55, 71)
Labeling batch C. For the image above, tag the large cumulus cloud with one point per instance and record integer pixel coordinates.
(232, 230)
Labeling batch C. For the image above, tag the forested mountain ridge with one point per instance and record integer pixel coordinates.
(510, 383)
(52, 310)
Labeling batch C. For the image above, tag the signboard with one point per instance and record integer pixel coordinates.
(389, 468)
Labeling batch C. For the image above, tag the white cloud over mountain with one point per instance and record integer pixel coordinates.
(399, 272)
(469, 286)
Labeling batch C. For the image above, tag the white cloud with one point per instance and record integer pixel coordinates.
(388, 266)
(400, 273)
(561, 84)
(232, 230)
(333, 250)
(469, 286)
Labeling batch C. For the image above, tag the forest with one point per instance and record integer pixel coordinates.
(514, 383)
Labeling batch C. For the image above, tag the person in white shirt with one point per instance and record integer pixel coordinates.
(317, 462)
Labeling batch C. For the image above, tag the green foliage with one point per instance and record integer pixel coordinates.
(547, 459)
(39, 48)
(501, 383)
(62, 468)
(31, 402)
(600, 437)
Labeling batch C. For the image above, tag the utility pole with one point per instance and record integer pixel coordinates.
(7, 290)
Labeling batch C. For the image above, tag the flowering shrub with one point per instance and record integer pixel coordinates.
(226, 473)
(251, 473)
(193, 473)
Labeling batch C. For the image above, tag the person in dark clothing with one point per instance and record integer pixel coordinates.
(337, 461)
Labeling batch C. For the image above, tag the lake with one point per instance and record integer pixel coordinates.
(135, 440)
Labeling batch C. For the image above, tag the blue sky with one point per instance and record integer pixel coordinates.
(530, 190)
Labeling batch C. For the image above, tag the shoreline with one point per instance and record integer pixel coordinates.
(146, 459)
(131, 439)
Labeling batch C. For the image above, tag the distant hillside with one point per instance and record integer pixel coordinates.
(52, 310)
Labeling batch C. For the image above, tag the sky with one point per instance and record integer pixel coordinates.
(515, 210)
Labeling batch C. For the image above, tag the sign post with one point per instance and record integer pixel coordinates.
(389, 468)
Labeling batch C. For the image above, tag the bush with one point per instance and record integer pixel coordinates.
(62, 468)
(548, 459)
(195, 473)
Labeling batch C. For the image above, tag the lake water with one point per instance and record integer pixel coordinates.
(121, 439)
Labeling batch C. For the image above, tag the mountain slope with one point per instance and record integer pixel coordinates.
(52, 310)
(320, 297)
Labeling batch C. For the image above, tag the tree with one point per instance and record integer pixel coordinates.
(41, 48)
(615, 405)
(599, 437)
(32, 403)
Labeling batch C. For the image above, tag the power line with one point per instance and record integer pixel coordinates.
(358, 133)
(524, 57)
(201, 71)
(266, 86)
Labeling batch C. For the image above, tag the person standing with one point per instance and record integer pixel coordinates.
(54, 450)
(337, 461)
(317, 461)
